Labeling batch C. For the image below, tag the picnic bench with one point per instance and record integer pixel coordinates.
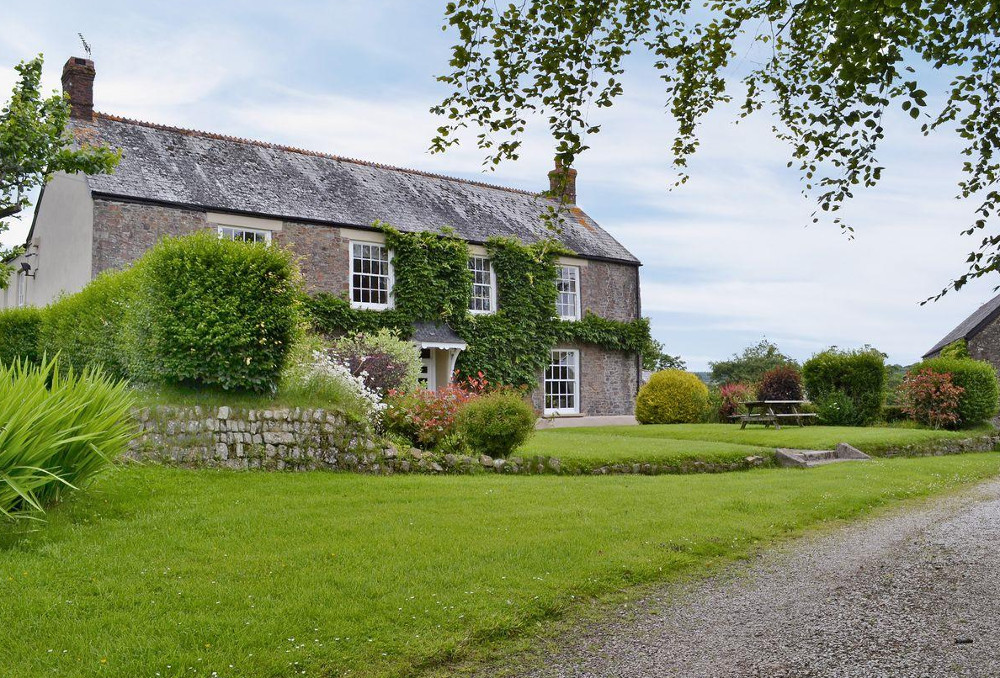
(768, 412)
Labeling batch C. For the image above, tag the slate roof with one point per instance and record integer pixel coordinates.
(198, 169)
(435, 333)
(971, 325)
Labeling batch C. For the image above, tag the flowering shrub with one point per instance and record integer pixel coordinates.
(325, 367)
(732, 397)
(781, 383)
(425, 417)
(932, 398)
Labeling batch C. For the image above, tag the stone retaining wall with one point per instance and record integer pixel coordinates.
(308, 439)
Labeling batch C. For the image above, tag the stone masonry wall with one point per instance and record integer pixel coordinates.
(608, 382)
(123, 231)
(324, 255)
(609, 290)
(986, 344)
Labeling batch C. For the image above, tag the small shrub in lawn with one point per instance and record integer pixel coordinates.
(19, 328)
(423, 416)
(836, 408)
(781, 383)
(215, 312)
(931, 398)
(859, 375)
(89, 328)
(59, 431)
(497, 423)
(385, 361)
(978, 378)
(672, 397)
(732, 397)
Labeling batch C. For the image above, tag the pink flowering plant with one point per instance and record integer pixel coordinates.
(423, 416)
(931, 398)
(733, 396)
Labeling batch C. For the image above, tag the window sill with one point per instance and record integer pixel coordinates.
(371, 307)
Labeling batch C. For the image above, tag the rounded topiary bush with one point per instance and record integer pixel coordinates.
(497, 423)
(672, 397)
(981, 396)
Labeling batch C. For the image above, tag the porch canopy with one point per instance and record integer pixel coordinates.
(439, 348)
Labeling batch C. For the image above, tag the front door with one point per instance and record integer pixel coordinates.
(428, 368)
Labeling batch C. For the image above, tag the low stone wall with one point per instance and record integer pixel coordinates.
(983, 443)
(237, 438)
(308, 439)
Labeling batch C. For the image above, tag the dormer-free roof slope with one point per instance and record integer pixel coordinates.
(189, 168)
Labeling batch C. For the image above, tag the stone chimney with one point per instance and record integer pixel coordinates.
(78, 82)
(562, 183)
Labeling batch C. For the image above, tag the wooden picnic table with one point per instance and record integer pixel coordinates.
(768, 412)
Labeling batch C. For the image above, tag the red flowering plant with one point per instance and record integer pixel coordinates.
(423, 416)
(931, 398)
(733, 396)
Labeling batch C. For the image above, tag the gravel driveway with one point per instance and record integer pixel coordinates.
(912, 593)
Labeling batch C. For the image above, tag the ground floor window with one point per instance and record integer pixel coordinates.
(562, 382)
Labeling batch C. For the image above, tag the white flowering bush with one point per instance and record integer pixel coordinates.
(325, 367)
(316, 376)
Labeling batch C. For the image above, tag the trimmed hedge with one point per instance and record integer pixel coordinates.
(19, 328)
(214, 312)
(857, 375)
(981, 398)
(672, 397)
(87, 328)
(497, 423)
(196, 310)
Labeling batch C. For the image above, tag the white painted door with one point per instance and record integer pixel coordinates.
(428, 368)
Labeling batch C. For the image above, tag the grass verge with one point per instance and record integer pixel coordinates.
(585, 450)
(259, 574)
(874, 440)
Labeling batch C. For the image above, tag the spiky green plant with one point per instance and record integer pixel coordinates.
(56, 432)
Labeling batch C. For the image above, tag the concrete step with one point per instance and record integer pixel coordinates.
(810, 458)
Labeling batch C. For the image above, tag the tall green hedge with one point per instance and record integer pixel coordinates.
(87, 328)
(215, 312)
(981, 397)
(858, 375)
(19, 328)
(196, 310)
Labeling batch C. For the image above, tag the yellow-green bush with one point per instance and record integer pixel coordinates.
(672, 397)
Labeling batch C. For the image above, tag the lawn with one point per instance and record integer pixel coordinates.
(169, 572)
(693, 440)
(585, 449)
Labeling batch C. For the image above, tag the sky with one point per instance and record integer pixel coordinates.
(729, 258)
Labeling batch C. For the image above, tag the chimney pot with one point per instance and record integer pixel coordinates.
(562, 183)
(78, 82)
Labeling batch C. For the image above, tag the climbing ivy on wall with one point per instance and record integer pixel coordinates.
(511, 346)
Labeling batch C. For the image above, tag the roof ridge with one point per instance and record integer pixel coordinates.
(316, 154)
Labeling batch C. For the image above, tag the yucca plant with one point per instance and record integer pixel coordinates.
(57, 431)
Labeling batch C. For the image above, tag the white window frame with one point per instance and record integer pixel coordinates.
(492, 288)
(391, 277)
(576, 293)
(574, 365)
(22, 283)
(230, 233)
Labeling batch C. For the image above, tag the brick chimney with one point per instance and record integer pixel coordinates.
(78, 82)
(562, 183)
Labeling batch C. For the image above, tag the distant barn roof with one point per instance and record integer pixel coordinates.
(971, 325)
(184, 167)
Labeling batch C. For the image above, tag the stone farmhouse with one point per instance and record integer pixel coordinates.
(176, 181)
(981, 332)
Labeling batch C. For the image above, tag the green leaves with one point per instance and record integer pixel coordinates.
(34, 144)
(58, 432)
(827, 71)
